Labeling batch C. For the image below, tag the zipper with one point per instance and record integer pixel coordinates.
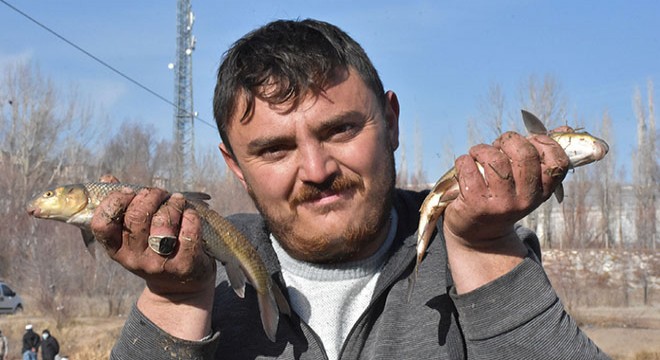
(279, 281)
(399, 270)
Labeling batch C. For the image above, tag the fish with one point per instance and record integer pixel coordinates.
(75, 203)
(581, 147)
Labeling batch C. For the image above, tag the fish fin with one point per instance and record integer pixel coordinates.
(196, 195)
(559, 192)
(282, 303)
(422, 244)
(533, 124)
(270, 315)
(412, 279)
(236, 278)
(90, 241)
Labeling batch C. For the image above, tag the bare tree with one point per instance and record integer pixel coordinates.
(608, 189)
(130, 154)
(44, 138)
(444, 160)
(578, 231)
(418, 179)
(212, 177)
(645, 170)
(545, 100)
(474, 132)
(41, 134)
(445, 157)
(402, 175)
(491, 110)
(491, 115)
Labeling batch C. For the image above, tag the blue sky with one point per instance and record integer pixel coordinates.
(440, 57)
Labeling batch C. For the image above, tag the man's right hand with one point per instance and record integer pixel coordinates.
(180, 287)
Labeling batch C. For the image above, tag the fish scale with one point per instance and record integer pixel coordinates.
(75, 204)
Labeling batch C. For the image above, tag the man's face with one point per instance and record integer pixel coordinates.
(322, 173)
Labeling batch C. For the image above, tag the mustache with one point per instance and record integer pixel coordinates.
(311, 192)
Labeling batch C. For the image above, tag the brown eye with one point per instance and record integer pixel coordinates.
(48, 194)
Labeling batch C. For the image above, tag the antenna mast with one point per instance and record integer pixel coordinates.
(184, 115)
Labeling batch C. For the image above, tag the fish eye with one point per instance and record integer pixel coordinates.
(48, 193)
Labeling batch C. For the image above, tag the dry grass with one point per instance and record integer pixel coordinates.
(596, 299)
(623, 333)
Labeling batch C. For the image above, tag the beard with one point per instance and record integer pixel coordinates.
(361, 232)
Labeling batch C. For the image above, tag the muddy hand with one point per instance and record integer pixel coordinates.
(123, 223)
(519, 174)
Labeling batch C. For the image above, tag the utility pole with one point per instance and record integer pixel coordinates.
(184, 115)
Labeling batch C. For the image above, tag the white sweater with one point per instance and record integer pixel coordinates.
(330, 298)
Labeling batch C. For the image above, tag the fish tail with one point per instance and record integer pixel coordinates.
(270, 314)
(422, 244)
(281, 301)
(412, 279)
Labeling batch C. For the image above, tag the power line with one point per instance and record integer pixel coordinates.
(105, 64)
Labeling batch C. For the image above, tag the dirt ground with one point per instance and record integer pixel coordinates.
(623, 333)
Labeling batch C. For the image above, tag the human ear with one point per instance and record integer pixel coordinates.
(230, 160)
(392, 118)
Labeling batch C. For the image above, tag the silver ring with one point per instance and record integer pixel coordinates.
(162, 245)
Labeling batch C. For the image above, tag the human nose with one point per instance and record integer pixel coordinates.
(316, 164)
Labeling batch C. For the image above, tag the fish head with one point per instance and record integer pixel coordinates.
(61, 203)
(582, 148)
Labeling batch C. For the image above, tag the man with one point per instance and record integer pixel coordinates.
(4, 346)
(49, 346)
(310, 132)
(30, 343)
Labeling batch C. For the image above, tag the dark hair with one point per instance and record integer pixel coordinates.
(284, 61)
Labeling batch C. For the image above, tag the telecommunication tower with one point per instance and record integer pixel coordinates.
(184, 114)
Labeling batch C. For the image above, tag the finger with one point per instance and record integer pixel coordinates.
(138, 217)
(470, 181)
(554, 162)
(190, 263)
(108, 219)
(497, 170)
(191, 231)
(525, 166)
(165, 225)
(191, 249)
